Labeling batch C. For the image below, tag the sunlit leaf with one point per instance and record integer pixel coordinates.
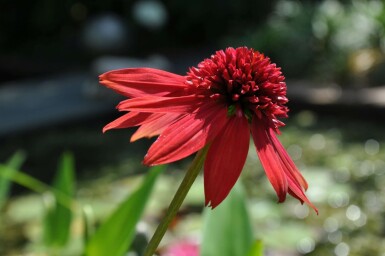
(256, 249)
(227, 229)
(88, 222)
(115, 235)
(13, 164)
(57, 220)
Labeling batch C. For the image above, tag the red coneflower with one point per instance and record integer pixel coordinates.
(218, 103)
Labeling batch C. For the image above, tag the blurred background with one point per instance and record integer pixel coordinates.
(331, 52)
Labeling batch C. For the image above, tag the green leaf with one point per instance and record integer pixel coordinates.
(57, 221)
(115, 235)
(227, 228)
(256, 249)
(13, 164)
(88, 222)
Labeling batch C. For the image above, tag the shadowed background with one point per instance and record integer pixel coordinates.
(331, 52)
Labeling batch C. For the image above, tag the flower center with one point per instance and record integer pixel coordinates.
(242, 79)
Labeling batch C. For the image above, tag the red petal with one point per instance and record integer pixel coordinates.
(296, 182)
(186, 136)
(127, 120)
(225, 160)
(155, 127)
(138, 82)
(269, 159)
(298, 193)
(184, 104)
(287, 160)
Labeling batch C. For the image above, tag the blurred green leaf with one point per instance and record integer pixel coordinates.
(23, 179)
(256, 249)
(14, 163)
(227, 229)
(115, 235)
(57, 221)
(32, 183)
(89, 221)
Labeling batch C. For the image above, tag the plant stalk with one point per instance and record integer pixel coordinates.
(177, 201)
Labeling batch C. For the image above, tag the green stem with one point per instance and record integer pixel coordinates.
(177, 201)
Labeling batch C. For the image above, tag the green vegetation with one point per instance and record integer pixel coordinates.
(343, 161)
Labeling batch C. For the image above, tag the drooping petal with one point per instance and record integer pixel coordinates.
(139, 82)
(156, 126)
(286, 159)
(269, 159)
(188, 135)
(296, 182)
(184, 104)
(127, 120)
(298, 193)
(225, 160)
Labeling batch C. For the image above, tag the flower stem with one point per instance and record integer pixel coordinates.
(177, 201)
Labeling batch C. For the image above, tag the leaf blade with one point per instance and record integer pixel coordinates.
(57, 221)
(256, 249)
(13, 164)
(115, 235)
(227, 228)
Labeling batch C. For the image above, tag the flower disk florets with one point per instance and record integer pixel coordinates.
(242, 79)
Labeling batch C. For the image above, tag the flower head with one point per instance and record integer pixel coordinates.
(218, 103)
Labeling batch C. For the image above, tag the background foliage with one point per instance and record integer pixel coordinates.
(95, 187)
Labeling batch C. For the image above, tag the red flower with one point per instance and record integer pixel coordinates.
(235, 92)
(182, 248)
